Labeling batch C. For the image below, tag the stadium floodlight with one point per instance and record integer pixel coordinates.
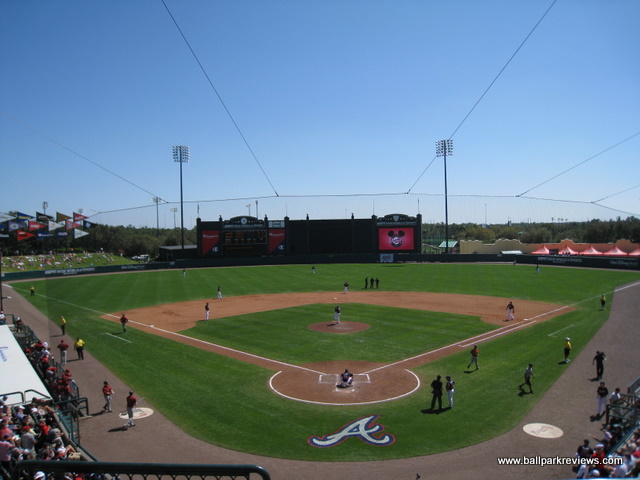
(181, 155)
(444, 148)
(174, 210)
(157, 201)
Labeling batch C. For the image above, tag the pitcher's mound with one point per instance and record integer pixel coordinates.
(342, 327)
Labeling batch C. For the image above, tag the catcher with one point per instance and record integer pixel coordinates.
(345, 379)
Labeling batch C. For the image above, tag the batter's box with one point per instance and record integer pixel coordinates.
(330, 379)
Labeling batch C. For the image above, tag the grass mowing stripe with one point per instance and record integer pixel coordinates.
(236, 414)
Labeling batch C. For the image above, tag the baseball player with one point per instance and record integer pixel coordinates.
(528, 375)
(131, 403)
(511, 311)
(450, 388)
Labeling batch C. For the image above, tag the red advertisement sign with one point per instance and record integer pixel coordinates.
(210, 242)
(276, 241)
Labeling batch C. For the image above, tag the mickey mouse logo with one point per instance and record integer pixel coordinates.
(395, 239)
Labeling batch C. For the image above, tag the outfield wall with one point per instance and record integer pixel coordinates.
(618, 263)
(247, 236)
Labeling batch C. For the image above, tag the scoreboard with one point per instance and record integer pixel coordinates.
(244, 237)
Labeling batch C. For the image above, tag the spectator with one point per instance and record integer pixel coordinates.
(615, 399)
(6, 449)
(4, 428)
(28, 443)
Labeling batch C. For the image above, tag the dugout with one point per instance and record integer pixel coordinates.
(248, 236)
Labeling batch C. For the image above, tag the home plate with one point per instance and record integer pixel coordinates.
(542, 430)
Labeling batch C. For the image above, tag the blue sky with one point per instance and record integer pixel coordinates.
(340, 102)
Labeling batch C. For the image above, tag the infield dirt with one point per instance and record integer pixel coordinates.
(314, 382)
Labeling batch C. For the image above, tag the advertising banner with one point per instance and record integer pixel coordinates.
(277, 241)
(210, 243)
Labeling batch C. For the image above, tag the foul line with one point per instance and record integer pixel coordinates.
(461, 344)
(483, 337)
(222, 347)
(562, 330)
(116, 337)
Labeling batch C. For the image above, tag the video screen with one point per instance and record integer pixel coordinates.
(395, 239)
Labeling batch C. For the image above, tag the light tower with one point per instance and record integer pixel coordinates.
(444, 148)
(181, 155)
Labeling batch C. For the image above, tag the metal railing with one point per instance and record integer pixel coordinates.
(135, 471)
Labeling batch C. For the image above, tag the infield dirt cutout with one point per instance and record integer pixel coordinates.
(316, 382)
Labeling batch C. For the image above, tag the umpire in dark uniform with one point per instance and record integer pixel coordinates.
(436, 391)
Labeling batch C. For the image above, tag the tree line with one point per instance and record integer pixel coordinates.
(130, 241)
(593, 231)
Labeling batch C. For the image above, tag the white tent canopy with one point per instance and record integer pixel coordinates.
(18, 379)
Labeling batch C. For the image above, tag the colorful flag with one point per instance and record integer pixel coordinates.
(35, 226)
(43, 217)
(23, 216)
(78, 217)
(79, 233)
(61, 217)
(13, 225)
(54, 226)
(24, 235)
(87, 224)
(70, 224)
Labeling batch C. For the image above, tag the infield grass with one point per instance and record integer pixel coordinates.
(238, 414)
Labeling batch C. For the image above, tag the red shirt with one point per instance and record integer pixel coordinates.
(107, 390)
(131, 401)
(598, 456)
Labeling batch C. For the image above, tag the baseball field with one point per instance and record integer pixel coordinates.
(259, 376)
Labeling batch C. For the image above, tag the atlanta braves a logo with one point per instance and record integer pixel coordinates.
(364, 428)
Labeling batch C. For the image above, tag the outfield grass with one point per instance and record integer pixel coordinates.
(236, 414)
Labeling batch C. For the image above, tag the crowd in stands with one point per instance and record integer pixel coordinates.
(33, 431)
(67, 260)
(616, 452)
(58, 380)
